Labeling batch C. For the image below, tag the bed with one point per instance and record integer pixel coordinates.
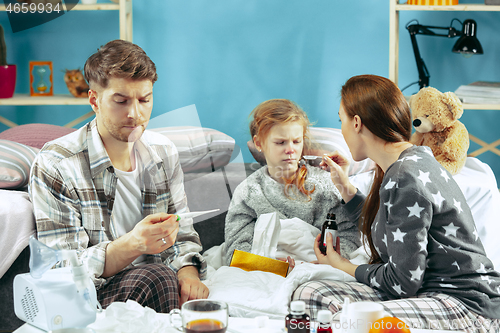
(213, 167)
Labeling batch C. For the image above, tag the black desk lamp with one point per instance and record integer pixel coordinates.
(467, 44)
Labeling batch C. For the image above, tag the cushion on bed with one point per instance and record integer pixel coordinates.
(35, 135)
(200, 149)
(323, 140)
(15, 164)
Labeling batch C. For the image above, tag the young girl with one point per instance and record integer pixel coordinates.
(279, 129)
(428, 266)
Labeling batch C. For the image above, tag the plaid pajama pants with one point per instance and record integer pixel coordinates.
(424, 311)
(151, 285)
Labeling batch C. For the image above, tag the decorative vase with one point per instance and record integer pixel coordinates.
(7, 81)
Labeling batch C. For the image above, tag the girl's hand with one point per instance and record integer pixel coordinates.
(333, 258)
(291, 263)
(338, 165)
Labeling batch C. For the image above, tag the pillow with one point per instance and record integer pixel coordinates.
(200, 149)
(15, 164)
(35, 135)
(323, 140)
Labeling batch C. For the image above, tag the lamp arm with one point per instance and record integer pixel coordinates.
(423, 73)
(417, 29)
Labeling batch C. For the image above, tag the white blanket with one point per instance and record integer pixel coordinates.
(17, 224)
(256, 293)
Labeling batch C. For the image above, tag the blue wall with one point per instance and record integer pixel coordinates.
(227, 56)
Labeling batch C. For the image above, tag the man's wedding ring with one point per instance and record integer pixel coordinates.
(163, 240)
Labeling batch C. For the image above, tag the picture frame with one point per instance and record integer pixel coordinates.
(41, 79)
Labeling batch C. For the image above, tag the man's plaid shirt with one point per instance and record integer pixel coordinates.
(72, 188)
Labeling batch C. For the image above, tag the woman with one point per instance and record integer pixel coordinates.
(428, 266)
(279, 129)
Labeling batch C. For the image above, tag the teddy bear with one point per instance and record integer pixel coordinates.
(435, 119)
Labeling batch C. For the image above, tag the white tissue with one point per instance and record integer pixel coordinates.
(129, 317)
(266, 233)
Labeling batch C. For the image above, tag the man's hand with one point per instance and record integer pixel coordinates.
(332, 258)
(155, 233)
(190, 286)
(146, 238)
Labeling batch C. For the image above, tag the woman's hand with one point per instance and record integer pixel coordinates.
(338, 165)
(332, 258)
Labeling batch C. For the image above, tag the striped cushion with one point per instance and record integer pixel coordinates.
(324, 140)
(200, 149)
(35, 135)
(15, 164)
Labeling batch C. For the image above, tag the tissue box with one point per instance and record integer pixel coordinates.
(253, 262)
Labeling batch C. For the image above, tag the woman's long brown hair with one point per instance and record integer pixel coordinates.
(385, 112)
(279, 111)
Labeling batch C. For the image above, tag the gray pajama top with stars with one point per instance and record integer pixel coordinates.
(425, 234)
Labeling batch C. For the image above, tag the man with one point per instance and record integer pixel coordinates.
(111, 190)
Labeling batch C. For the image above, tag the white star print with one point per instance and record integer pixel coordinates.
(451, 230)
(429, 151)
(442, 248)
(415, 210)
(456, 264)
(385, 240)
(476, 234)
(374, 283)
(398, 235)
(413, 158)
(389, 205)
(458, 205)
(390, 184)
(424, 177)
(423, 245)
(416, 274)
(397, 288)
(486, 278)
(447, 285)
(444, 175)
(438, 199)
(392, 262)
(481, 269)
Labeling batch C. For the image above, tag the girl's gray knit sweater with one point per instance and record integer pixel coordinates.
(261, 194)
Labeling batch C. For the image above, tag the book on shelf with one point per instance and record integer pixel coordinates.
(479, 92)
(479, 100)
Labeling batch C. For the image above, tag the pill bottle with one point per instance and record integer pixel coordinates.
(324, 321)
(297, 321)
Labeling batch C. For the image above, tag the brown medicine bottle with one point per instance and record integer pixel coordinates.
(297, 321)
(330, 226)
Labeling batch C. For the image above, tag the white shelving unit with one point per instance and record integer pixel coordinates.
(124, 8)
(395, 8)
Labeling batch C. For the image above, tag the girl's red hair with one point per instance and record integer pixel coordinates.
(279, 111)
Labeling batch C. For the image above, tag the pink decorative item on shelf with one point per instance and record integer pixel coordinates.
(7, 72)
